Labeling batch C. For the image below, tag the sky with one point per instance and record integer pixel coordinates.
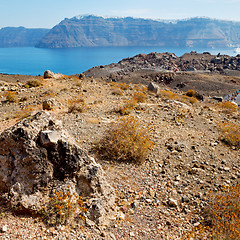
(48, 13)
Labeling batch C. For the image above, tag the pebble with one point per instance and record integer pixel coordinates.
(131, 234)
(172, 202)
(227, 169)
(121, 215)
(3, 229)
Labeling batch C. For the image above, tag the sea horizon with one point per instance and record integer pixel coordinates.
(70, 61)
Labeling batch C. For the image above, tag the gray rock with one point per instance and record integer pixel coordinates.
(50, 104)
(153, 87)
(38, 156)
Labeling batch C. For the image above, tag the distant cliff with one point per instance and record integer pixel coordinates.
(20, 36)
(92, 31)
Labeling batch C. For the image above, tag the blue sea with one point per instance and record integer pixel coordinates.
(34, 61)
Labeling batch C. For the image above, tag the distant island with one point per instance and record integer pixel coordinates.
(21, 36)
(96, 31)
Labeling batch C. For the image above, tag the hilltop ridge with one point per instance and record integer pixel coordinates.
(93, 31)
(21, 36)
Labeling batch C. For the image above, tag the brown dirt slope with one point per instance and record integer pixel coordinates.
(188, 160)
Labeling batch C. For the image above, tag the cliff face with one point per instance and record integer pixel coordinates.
(91, 31)
(20, 36)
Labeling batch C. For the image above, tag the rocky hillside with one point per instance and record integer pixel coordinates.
(164, 197)
(92, 31)
(20, 36)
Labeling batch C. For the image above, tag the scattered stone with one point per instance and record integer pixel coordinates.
(172, 202)
(3, 229)
(121, 216)
(81, 76)
(153, 87)
(50, 104)
(226, 169)
(132, 234)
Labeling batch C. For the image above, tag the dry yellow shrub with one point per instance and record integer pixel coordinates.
(124, 86)
(76, 105)
(221, 217)
(33, 83)
(191, 93)
(168, 94)
(227, 107)
(11, 96)
(63, 208)
(126, 140)
(139, 97)
(127, 107)
(230, 133)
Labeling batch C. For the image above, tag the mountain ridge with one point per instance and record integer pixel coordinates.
(94, 31)
(20, 36)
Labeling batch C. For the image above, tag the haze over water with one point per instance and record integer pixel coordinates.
(34, 61)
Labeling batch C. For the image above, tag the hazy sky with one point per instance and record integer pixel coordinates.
(47, 13)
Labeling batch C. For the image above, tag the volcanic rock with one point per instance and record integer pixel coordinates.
(37, 157)
(50, 74)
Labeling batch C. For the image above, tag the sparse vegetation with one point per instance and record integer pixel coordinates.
(127, 107)
(77, 105)
(63, 208)
(139, 97)
(11, 96)
(230, 133)
(221, 216)
(227, 107)
(126, 140)
(33, 83)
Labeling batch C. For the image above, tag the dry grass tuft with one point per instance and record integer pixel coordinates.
(227, 107)
(33, 83)
(139, 97)
(191, 93)
(173, 96)
(126, 140)
(168, 94)
(63, 208)
(11, 96)
(221, 217)
(127, 107)
(230, 133)
(77, 105)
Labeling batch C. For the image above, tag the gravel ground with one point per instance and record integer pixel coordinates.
(159, 199)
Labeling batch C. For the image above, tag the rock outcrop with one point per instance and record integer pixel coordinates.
(37, 157)
(165, 65)
(50, 74)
